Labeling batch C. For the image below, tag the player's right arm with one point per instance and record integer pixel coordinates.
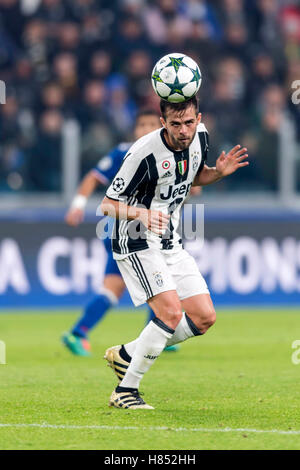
(132, 175)
(156, 221)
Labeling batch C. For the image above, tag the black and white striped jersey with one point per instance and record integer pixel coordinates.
(158, 178)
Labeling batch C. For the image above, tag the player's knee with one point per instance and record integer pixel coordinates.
(177, 315)
(171, 315)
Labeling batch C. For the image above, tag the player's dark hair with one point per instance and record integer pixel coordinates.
(180, 107)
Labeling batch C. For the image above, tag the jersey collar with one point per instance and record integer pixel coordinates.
(162, 135)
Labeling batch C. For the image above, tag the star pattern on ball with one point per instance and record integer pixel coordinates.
(177, 62)
(197, 75)
(177, 87)
(156, 77)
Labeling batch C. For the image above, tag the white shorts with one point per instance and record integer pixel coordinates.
(149, 272)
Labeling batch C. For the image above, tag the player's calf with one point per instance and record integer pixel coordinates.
(207, 321)
(203, 320)
(200, 310)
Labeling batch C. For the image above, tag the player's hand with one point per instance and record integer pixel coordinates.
(156, 221)
(74, 216)
(196, 190)
(232, 161)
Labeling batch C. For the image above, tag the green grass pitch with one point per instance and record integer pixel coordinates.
(234, 388)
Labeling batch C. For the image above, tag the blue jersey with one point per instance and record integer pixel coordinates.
(109, 165)
(105, 171)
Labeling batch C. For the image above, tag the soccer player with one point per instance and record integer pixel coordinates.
(158, 172)
(113, 285)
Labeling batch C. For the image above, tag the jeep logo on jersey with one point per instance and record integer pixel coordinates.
(182, 166)
(169, 192)
(118, 184)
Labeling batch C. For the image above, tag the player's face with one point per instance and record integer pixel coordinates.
(146, 124)
(181, 127)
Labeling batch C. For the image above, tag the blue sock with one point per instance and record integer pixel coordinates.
(93, 313)
(151, 314)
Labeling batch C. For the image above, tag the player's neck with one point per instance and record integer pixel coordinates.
(170, 143)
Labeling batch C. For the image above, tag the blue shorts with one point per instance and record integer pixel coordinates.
(111, 265)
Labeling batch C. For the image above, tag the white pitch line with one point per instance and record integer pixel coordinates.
(144, 428)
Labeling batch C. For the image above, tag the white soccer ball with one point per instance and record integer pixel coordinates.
(176, 78)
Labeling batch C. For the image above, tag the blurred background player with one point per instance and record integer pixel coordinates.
(113, 285)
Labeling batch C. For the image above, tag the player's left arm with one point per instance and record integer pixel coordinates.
(226, 164)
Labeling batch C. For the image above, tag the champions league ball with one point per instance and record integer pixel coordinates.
(176, 78)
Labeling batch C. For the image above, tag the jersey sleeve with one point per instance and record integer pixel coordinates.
(204, 142)
(108, 165)
(133, 173)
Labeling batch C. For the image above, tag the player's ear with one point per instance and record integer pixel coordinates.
(199, 117)
(163, 122)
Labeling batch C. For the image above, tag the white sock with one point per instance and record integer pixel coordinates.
(184, 330)
(130, 347)
(150, 344)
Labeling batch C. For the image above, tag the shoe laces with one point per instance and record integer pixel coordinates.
(137, 395)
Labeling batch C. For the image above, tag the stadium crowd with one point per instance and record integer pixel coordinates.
(91, 60)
